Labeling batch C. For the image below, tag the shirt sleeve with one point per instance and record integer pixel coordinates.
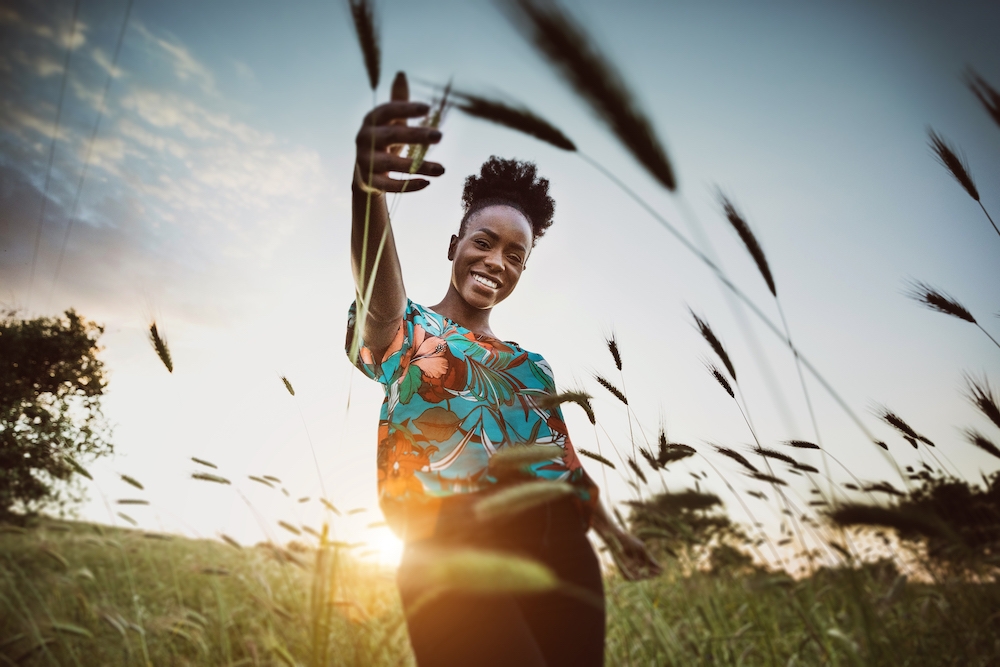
(390, 367)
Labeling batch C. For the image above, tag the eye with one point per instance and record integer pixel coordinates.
(482, 243)
(514, 258)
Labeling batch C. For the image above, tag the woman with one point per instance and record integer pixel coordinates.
(456, 394)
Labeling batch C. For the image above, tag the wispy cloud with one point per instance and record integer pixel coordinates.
(186, 67)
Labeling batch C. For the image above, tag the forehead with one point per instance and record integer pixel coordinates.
(505, 223)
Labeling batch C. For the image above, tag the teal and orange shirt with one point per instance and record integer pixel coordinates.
(453, 399)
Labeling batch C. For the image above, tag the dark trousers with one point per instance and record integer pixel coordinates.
(564, 627)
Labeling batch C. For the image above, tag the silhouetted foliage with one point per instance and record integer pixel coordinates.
(51, 384)
(958, 523)
(681, 523)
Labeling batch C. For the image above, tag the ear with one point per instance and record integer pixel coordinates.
(451, 248)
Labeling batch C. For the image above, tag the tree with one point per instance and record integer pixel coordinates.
(51, 384)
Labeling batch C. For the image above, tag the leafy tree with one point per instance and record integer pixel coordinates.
(685, 525)
(51, 384)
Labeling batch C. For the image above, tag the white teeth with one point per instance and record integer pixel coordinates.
(485, 281)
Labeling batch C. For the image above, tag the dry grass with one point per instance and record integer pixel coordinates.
(985, 93)
(615, 391)
(160, 345)
(706, 332)
(982, 442)
(515, 117)
(721, 379)
(575, 55)
(951, 161)
(736, 456)
(520, 498)
(980, 394)
(595, 456)
(746, 235)
(363, 15)
(551, 401)
(939, 301)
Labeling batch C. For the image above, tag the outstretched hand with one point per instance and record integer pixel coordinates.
(384, 132)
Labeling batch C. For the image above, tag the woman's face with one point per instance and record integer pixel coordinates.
(488, 259)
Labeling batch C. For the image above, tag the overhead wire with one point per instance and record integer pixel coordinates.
(90, 147)
(52, 151)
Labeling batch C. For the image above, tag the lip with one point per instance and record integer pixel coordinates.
(487, 277)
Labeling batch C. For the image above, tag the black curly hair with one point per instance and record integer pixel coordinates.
(510, 183)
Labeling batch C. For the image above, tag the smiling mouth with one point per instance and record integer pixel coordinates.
(483, 280)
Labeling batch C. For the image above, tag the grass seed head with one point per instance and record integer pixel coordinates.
(980, 394)
(610, 387)
(673, 451)
(939, 301)
(363, 14)
(597, 457)
(985, 93)
(160, 345)
(770, 479)
(486, 572)
(637, 470)
(721, 379)
(575, 55)
(736, 456)
(774, 454)
(288, 385)
(515, 457)
(613, 349)
(203, 462)
(551, 401)
(953, 163)
(515, 117)
(208, 477)
(517, 499)
(133, 482)
(706, 332)
(982, 442)
(801, 444)
(749, 240)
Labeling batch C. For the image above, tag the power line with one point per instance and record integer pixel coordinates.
(52, 151)
(90, 147)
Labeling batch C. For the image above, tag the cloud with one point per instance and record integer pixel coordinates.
(243, 71)
(105, 63)
(185, 66)
(174, 179)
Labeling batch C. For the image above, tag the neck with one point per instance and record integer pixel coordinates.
(458, 310)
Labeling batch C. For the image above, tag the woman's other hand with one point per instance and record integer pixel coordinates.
(383, 133)
(629, 553)
(631, 556)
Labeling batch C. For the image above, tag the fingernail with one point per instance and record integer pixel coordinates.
(435, 136)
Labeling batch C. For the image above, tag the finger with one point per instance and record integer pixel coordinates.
(400, 88)
(386, 184)
(400, 93)
(383, 113)
(387, 135)
(386, 162)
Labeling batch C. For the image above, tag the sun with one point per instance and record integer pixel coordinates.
(388, 548)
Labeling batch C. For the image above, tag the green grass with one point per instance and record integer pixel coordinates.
(78, 594)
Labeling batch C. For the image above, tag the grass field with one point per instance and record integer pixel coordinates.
(81, 594)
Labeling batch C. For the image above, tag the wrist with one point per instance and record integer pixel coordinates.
(360, 185)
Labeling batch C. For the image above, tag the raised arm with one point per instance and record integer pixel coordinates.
(382, 134)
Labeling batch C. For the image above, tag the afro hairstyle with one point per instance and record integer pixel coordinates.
(510, 183)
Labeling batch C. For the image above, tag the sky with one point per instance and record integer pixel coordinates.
(216, 201)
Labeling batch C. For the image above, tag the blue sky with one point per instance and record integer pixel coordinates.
(217, 201)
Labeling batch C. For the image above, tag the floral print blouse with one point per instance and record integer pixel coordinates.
(453, 399)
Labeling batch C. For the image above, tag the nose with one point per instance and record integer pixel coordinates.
(494, 261)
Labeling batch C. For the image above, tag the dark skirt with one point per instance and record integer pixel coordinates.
(562, 627)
